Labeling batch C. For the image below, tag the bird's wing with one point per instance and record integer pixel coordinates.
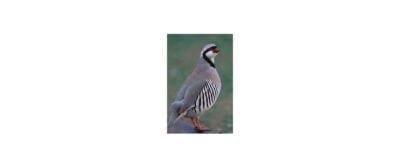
(191, 95)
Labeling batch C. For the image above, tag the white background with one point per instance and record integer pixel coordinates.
(83, 83)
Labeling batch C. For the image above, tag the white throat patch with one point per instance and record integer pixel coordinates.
(211, 54)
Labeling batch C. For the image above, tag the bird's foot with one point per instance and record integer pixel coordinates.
(198, 125)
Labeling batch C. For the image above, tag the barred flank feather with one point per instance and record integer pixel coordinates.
(207, 97)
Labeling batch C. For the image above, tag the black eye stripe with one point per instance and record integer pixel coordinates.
(210, 48)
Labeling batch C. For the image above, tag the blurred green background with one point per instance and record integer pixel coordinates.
(183, 54)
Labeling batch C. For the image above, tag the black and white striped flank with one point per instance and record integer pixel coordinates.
(207, 97)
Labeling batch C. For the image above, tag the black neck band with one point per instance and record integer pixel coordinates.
(208, 60)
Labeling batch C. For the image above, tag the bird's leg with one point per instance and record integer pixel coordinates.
(199, 126)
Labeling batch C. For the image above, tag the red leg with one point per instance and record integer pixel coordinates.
(199, 126)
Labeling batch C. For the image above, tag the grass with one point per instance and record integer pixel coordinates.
(183, 54)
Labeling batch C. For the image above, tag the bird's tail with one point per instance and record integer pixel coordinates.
(173, 117)
(171, 123)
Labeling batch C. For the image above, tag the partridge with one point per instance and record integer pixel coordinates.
(200, 90)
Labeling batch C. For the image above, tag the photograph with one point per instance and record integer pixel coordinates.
(200, 79)
(241, 83)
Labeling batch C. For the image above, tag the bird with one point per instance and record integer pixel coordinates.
(200, 90)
